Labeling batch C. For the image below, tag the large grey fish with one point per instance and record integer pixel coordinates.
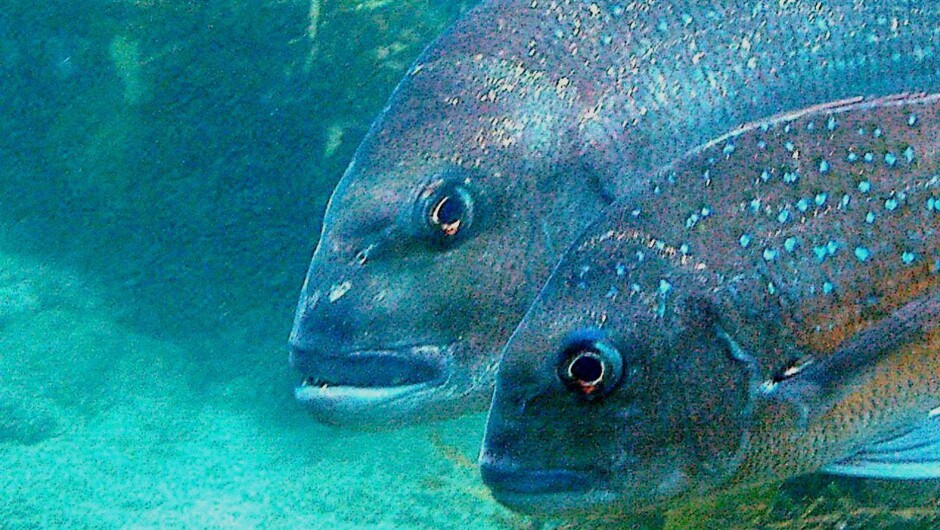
(506, 138)
(769, 307)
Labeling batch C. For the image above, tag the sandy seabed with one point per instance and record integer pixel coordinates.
(102, 427)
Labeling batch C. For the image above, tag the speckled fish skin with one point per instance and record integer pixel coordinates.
(775, 296)
(543, 111)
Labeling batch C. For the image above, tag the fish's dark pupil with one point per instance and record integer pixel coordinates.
(587, 368)
(448, 211)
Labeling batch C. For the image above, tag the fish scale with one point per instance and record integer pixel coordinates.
(686, 71)
(768, 307)
(808, 241)
(543, 112)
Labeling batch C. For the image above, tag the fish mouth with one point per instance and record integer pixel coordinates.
(543, 491)
(363, 385)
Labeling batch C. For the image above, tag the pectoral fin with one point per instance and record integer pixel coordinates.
(808, 388)
(912, 455)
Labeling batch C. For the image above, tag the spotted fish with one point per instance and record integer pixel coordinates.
(768, 307)
(510, 133)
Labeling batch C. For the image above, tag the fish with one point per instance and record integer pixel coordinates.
(768, 307)
(510, 134)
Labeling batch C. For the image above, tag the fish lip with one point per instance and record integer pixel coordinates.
(533, 481)
(541, 491)
(338, 399)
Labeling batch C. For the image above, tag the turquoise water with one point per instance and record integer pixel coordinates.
(163, 169)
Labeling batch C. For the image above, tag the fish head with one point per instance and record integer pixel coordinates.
(462, 195)
(620, 389)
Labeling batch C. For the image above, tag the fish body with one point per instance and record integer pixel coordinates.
(768, 307)
(510, 133)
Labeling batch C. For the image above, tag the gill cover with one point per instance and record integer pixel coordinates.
(721, 390)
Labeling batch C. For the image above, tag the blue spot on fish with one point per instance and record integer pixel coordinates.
(745, 240)
(832, 247)
(783, 216)
(869, 157)
(912, 120)
(790, 244)
(821, 199)
(790, 177)
(770, 254)
(621, 269)
(852, 157)
(864, 186)
(765, 175)
(827, 287)
(820, 253)
(729, 148)
(823, 166)
(891, 159)
(684, 249)
(870, 218)
(862, 253)
(755, 205)
(802, 205)
(891, 204)
(831, 123)
(908, 257)
(909, 154)
(664, 286)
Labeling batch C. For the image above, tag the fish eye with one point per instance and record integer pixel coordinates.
(447, 212)
(590, 366)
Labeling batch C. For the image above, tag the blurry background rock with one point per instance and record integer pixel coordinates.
(194, 144)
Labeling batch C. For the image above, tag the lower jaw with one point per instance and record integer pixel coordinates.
(327, 394)
(367, 408)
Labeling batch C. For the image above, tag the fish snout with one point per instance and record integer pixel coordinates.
(367, 387)
(364, 369)
(503, 476)
(540, 490)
